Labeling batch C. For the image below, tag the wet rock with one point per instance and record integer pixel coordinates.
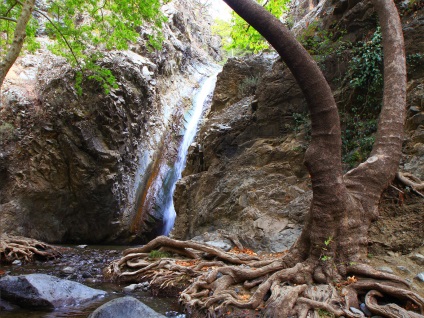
(44, 291)
(123, 308)
(420, 277)
(6, 306)
(365, 309)
(86, 275)
(357, 311)
(131, 288)
(174, 314)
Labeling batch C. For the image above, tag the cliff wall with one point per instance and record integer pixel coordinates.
(73, 167)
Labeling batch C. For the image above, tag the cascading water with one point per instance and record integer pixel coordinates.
(198, 102)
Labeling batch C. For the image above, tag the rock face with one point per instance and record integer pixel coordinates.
(245, 176)
(44, 291)
(248, 166)
(124, 307)
(72, 168)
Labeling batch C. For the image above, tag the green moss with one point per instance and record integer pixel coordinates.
(7, 133)
(158, 254)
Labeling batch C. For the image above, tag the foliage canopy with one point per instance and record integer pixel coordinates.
(79, 29)
(240, 36)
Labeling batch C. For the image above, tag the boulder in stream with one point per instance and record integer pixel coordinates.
(45, 291)
(124, 307)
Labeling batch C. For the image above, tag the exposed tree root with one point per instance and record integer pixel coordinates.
(25, 249)
(215, 282)
(411, 181)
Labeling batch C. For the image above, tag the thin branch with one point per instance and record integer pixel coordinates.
(11, 8)
(61, 34)
(397, 189)
(63, 37)
(8, 19)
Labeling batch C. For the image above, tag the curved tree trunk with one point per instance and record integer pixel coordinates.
(323, 157)
(18, 39)
(367, 182)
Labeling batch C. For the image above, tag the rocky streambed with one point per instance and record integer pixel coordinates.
(84, 264)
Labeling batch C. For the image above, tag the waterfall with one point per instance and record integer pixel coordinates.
(190, 132)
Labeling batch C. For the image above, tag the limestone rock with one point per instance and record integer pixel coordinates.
(247, 163)
(219, 244)
(124, 307)
(44, 291)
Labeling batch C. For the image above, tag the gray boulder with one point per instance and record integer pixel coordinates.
(44, 291)
(124, 307)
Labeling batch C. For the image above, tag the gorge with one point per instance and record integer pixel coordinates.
(102, 169)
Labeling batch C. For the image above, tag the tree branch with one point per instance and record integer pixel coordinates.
(370, 178)
(63, 37)
(18, 39)
(8, 19)
(11, 8)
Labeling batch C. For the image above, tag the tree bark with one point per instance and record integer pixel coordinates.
(323, 157)
(342, 206)
(18, 39)
(367, 182)
(373, 176)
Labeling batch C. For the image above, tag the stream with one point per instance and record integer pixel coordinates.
(85, 266)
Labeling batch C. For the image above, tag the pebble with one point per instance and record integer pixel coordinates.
(385, 269)
(68, 270)
(365, 310)
(16, 262)
(130, 288)
(403, 269)
(82, 246)
(174, 314)
(86, 275)
(356, 311)
(420, 276)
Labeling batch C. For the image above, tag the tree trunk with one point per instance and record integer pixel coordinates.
(342, 206)
(336, 229)
(18, 39)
